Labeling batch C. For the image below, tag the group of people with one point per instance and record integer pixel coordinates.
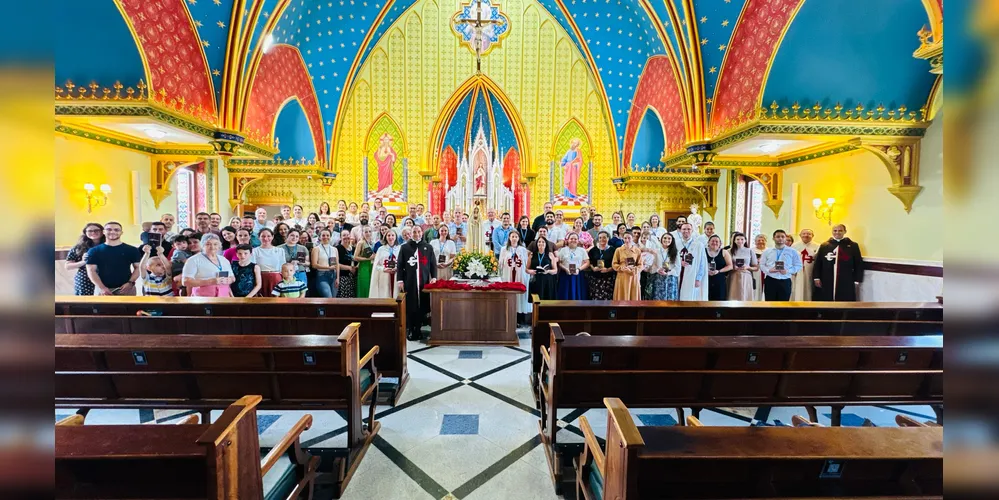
(362, 251)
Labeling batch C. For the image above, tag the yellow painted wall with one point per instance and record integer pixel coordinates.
(419, 64)
(873, 216)
(79, 161)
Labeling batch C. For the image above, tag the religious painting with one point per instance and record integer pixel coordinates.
(385, 162)
(571, 166)
(385, 157)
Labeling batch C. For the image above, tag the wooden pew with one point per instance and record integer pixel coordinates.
(217, 461)
(697, 372)
(203, 372)
(757, 462)
(383, 321)
(655, 318)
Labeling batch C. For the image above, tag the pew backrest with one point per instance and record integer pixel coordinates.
(709, 371)
(767, 462)
(216, 461)
(382, 321)
(658, 318)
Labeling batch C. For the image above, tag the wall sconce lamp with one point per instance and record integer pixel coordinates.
(823, 211)
(96, 200)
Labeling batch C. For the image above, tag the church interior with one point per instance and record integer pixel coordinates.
(753, 115)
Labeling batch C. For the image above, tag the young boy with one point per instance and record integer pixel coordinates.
(247, 274)
(289, 287)
(155, 273)
(177, 260)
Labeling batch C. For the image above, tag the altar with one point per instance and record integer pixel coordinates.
(473, 317)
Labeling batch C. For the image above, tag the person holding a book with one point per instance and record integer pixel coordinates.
(693, 264)
(628, 264)
(666, 286)
(364, 254)
(744, 264)
(348, 268)
(601, 275)
(719, 265)
(513, 261)
(325, 260)
(542, 267)
(444, 251)
(778, 265)
(208, 273)
(383, 275)
(297, 254)
(572, 261)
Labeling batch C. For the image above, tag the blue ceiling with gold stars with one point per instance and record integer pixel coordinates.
(211, 20)
(79, 27)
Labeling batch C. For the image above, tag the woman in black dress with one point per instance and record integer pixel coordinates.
(542, 269)
(602, 275)
(526, 233)
(719, 264)
(93, 235)
(348, 269)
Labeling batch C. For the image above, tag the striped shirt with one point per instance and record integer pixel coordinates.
(290, 289)
(157, 286)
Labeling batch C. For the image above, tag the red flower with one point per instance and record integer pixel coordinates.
(495, 286)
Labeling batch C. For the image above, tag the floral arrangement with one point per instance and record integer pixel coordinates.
(494, 286)
(475, 264)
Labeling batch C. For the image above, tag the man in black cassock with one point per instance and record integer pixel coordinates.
(838, 269)
(417, 267)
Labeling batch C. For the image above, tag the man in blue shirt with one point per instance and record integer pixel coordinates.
(113, 266)
(778, 265)
(501, 233)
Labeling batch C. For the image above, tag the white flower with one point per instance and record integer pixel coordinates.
(475, 268)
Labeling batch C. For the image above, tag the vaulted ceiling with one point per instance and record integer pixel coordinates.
(726, 56)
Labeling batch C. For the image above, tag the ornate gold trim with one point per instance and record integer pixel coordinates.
(772, 179)
(708, 192)
(251, 74)
(901, 157)
(204, 57)
(138, 42)
(162, 169)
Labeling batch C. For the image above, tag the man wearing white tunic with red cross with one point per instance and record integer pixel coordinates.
(694, 264)
(802, 288)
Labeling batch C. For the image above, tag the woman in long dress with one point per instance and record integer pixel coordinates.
(668, 288)
(363, 255)
(717, 286)
(542, 269)
(649, 265)
(348, 269)
(513, 262)
(628, 264)
(744, 263)
(761, 245)
(572, 261)
(601, 275)
(442, 245)
(382, 276)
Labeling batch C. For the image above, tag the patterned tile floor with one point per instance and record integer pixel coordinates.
(466, 428)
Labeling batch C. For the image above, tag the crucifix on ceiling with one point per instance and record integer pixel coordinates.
(481, 26)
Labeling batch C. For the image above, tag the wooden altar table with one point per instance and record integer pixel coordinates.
(473, 317)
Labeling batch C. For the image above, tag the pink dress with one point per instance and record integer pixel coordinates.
(385, 170)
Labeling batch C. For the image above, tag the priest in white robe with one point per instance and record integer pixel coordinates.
(802, 287)
(694, 264)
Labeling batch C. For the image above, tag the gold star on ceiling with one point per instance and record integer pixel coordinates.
(710, 101)
(704, 41)
(725, 23)
(713, 70)
(217, 2)
(192, 2)
(216, 72)
(205, 43)
(704, 19)
(722, 47)
(197, 23)
(221, 24)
